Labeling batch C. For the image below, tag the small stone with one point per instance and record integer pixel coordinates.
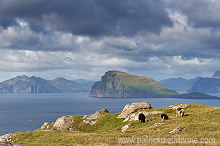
(124, 128)
(177, 130)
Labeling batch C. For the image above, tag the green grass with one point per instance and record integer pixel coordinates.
(200, 122)
(141, 83)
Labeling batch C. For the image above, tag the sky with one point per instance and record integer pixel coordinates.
(83, 39)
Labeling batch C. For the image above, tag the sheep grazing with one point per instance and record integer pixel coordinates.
(164, 116)
(180, 112)
(141, 118)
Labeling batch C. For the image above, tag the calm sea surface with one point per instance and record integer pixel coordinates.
(27, 112)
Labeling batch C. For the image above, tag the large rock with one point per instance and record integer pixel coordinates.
(5, 139)
(93, 118)
(63, 123)
(179, 106)
(134, 116)
(132, 108)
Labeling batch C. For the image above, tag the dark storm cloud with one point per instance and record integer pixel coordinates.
(201, 13)
(90, 17)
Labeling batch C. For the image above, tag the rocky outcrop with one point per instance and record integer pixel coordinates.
(5, 140)
(120, 84)
(179, 106)
(132, 108)
(134, 116)
(46, 125)
(63, 123)
(93, 118)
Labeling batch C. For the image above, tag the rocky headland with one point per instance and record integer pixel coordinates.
(121, 84)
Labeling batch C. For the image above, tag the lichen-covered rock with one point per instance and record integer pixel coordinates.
(134, 116)
(45, 125)
(179, 106)
(7, 137)
(93, 118)
(132, 108)
(63, 123)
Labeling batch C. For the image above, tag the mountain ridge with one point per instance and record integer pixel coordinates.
(25, 84)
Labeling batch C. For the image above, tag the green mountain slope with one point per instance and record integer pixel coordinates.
(121, 84)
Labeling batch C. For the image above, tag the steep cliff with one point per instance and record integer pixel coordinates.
(121, 84)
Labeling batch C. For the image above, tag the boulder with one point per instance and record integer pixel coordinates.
(93, 118)
(179, 106)
(45, 125)
(63, 123)
(132, 108)
(134, 116)
(177, 130)
(7, 137)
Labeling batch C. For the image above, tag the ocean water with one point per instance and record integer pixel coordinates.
(27, 112)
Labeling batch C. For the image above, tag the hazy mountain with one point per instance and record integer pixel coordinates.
(68, 86)
(179, 84)
(216, 75)
(24, 84)
(206, 85)
(84, 82)
(121, 84)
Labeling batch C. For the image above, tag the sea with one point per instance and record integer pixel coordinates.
(27, 112)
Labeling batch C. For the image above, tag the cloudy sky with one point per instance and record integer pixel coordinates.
(85, 38)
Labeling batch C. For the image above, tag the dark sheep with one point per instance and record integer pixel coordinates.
(141, 118)
(164, 116)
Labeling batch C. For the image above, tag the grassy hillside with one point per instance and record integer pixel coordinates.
(144, 83)
(121, 84)
(200, 122)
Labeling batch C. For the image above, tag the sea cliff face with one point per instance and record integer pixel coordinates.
(120, 84)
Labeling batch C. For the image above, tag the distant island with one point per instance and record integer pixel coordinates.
(24, 84)
(118, 84)
(206, 85)
(121, 84)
